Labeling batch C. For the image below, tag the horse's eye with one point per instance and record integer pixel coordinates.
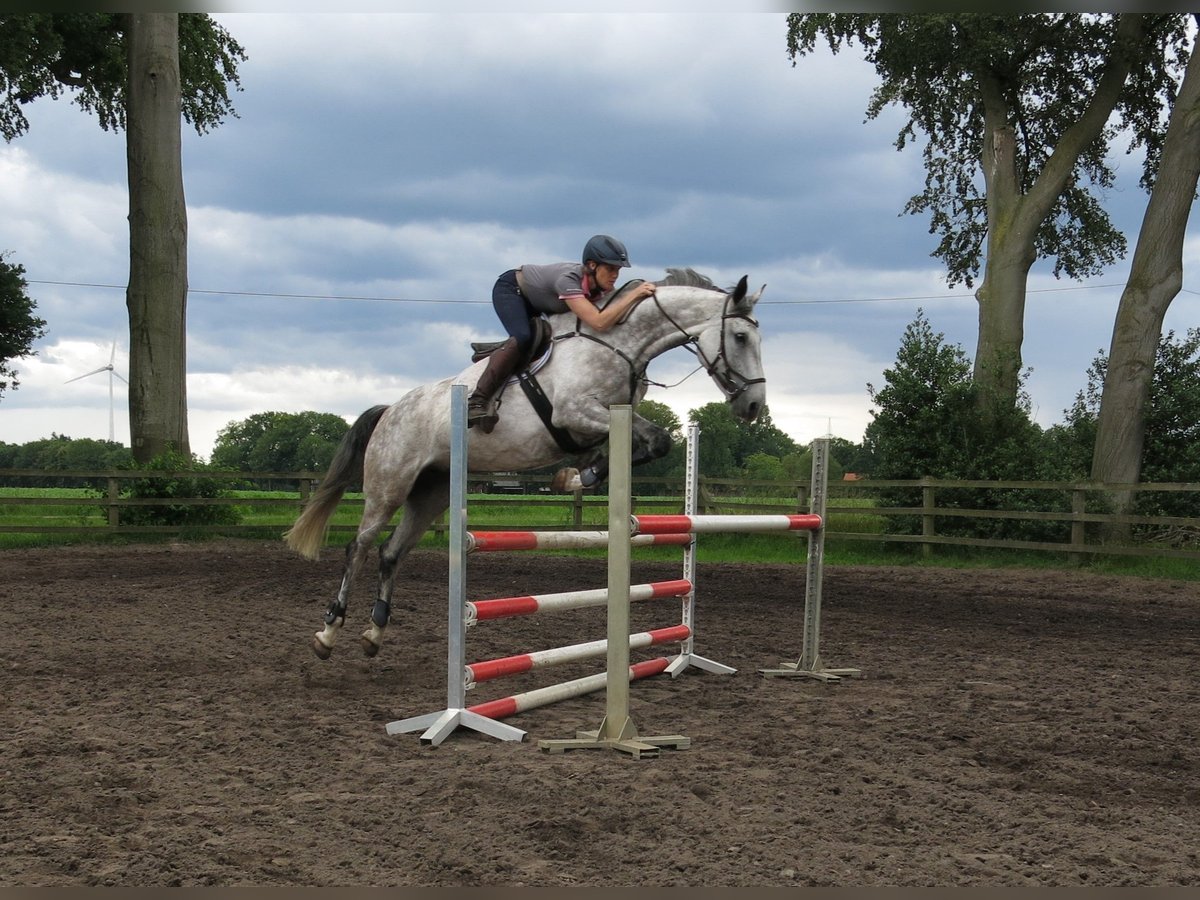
(739, 337)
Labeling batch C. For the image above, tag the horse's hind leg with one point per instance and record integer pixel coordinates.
(356, 552)
(429, 498)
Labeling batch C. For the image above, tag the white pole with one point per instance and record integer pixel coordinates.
(438, 725)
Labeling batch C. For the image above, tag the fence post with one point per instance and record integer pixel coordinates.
(1078, 526)
(114, 511)
(577, 510)
(927, 523)
(801, 498)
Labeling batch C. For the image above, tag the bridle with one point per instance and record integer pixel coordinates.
(731, 382)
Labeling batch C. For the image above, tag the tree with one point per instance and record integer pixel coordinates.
(279, 442)
(726, 444)
(157, 292)
(850, 457)
(49, 54)
(144, 71)
(1155, 279)
(762, 436)
(1170, 451)
(1173, 412)
(19, 327)
(926, 424)
(1022, 104)
(917, 427)
(58, 453)
(719, 439)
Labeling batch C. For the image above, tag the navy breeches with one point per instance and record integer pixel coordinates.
(513, 309)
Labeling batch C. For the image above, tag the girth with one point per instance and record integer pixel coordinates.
(541, 405)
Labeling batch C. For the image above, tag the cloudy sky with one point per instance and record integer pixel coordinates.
(346, 229)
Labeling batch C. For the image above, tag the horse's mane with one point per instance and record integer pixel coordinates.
(689, 278)
(675, 278)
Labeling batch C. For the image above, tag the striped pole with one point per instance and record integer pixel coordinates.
(505, 607)
(657, 525)
(525, 662)
(484, 541)
(518, 703)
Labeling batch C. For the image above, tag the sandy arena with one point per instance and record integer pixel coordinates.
(164, 722)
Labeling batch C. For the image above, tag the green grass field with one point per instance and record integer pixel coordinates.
(74, 507)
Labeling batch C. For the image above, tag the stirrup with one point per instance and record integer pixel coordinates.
(482, 414)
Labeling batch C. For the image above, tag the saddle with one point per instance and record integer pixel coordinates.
(541, 330)
(541, 339)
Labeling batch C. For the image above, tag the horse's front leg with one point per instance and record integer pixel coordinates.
(335, 616)
(650, 442)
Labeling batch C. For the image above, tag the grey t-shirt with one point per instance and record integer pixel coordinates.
(545, 287)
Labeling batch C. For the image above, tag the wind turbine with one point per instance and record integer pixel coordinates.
(111, 374)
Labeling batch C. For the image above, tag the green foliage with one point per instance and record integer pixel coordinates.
(1171, 451)
(927, 425)
(764, 467)
(280, 442)
(46, 54)
(19, 327)
(1032, 74)
(59, 453)
(727, 444)
(918, 428)
(172, 484)
(850, 457)
(1070, 444)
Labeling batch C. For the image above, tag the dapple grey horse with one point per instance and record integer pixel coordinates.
(401, 452)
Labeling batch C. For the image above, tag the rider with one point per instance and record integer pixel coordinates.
(520, 295)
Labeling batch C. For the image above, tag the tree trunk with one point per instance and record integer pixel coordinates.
(157, 293)
(1155, 278)
(1014, 217)
(1010, 253)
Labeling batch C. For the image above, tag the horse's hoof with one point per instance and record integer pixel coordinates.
(319, 648)
(566, 480)
(370, 648)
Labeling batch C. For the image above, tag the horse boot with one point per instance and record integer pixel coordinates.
(481, 405)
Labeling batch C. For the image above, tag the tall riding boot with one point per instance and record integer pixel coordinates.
(481, 406)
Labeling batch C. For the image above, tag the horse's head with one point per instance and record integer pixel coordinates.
(731, 351)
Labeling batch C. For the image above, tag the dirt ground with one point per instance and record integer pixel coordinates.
(164, 722)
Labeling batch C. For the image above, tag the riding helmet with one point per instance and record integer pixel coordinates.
(605, 249)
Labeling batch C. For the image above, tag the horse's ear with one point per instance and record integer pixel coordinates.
(740, 298)
(739, 292)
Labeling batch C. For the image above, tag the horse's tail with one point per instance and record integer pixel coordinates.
(307, 535)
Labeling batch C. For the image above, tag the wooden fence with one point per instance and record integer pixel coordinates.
(856, 511)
